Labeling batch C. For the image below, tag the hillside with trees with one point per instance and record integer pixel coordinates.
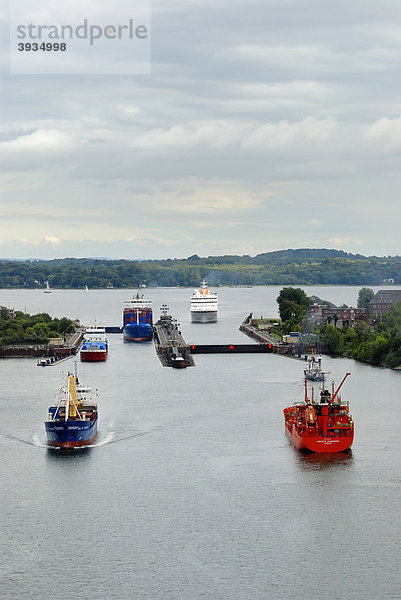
(284, 267)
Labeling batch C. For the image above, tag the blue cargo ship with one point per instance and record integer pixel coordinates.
(138, 319)
(72, 420)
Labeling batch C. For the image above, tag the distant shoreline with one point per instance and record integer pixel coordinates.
(302, 267)
(190, 287)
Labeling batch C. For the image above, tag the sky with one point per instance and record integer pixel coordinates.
(262, 125)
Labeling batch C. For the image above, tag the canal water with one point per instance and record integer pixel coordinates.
(192, 490)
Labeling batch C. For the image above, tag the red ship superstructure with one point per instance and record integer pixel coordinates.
(321, 425)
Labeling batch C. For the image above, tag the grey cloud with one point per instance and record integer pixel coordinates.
(290, 108)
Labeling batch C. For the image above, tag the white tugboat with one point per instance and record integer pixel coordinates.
(314, 371)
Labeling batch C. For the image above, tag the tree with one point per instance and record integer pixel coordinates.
(362, 331)
(3, 312)
(333, 336)
(365, 295)
(65, 326)
(293, 304)
(394, 316)
(41, 330)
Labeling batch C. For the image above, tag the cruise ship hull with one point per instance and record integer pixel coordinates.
(204, 317)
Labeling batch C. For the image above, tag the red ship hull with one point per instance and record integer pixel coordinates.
(319, 444)
(72, 444)
(93, 356)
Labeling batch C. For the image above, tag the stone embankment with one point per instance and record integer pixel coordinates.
(69, 348)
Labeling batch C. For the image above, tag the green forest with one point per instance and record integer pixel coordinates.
(22, 328)
(283, 267)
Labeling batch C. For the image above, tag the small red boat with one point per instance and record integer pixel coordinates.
(321, 425)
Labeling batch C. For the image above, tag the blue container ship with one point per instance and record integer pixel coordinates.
(72, 420)
(138, 319)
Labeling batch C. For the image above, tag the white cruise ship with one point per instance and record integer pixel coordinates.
(203, 305)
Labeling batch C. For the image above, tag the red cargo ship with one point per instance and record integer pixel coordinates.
(95, 345)
(322, 425)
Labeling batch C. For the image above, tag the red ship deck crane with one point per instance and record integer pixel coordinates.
(338, 389)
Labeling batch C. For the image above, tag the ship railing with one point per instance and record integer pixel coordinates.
(341, 432)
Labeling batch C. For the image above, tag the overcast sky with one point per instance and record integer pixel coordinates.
(264, 125)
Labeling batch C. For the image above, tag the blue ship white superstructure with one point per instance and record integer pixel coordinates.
(72, 420)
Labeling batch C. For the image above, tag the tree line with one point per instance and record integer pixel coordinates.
(22, 328)
(284, 267)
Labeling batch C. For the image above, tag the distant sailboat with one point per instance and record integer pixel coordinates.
(47, 290)
(86, 289)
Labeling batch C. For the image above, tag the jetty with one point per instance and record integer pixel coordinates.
(293, 350)
(262, 337)
(51, 352)
(171, 348)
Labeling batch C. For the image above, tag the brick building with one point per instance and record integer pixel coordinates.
(381, 303)
(341, 317)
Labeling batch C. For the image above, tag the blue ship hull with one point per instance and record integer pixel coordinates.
(137, 332)
(71, 433)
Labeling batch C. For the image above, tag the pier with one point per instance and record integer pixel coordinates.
(171, 348)
(278, 347)
(50, 351)
(262, 337)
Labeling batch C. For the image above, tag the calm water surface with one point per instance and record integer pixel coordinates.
(192, 490)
